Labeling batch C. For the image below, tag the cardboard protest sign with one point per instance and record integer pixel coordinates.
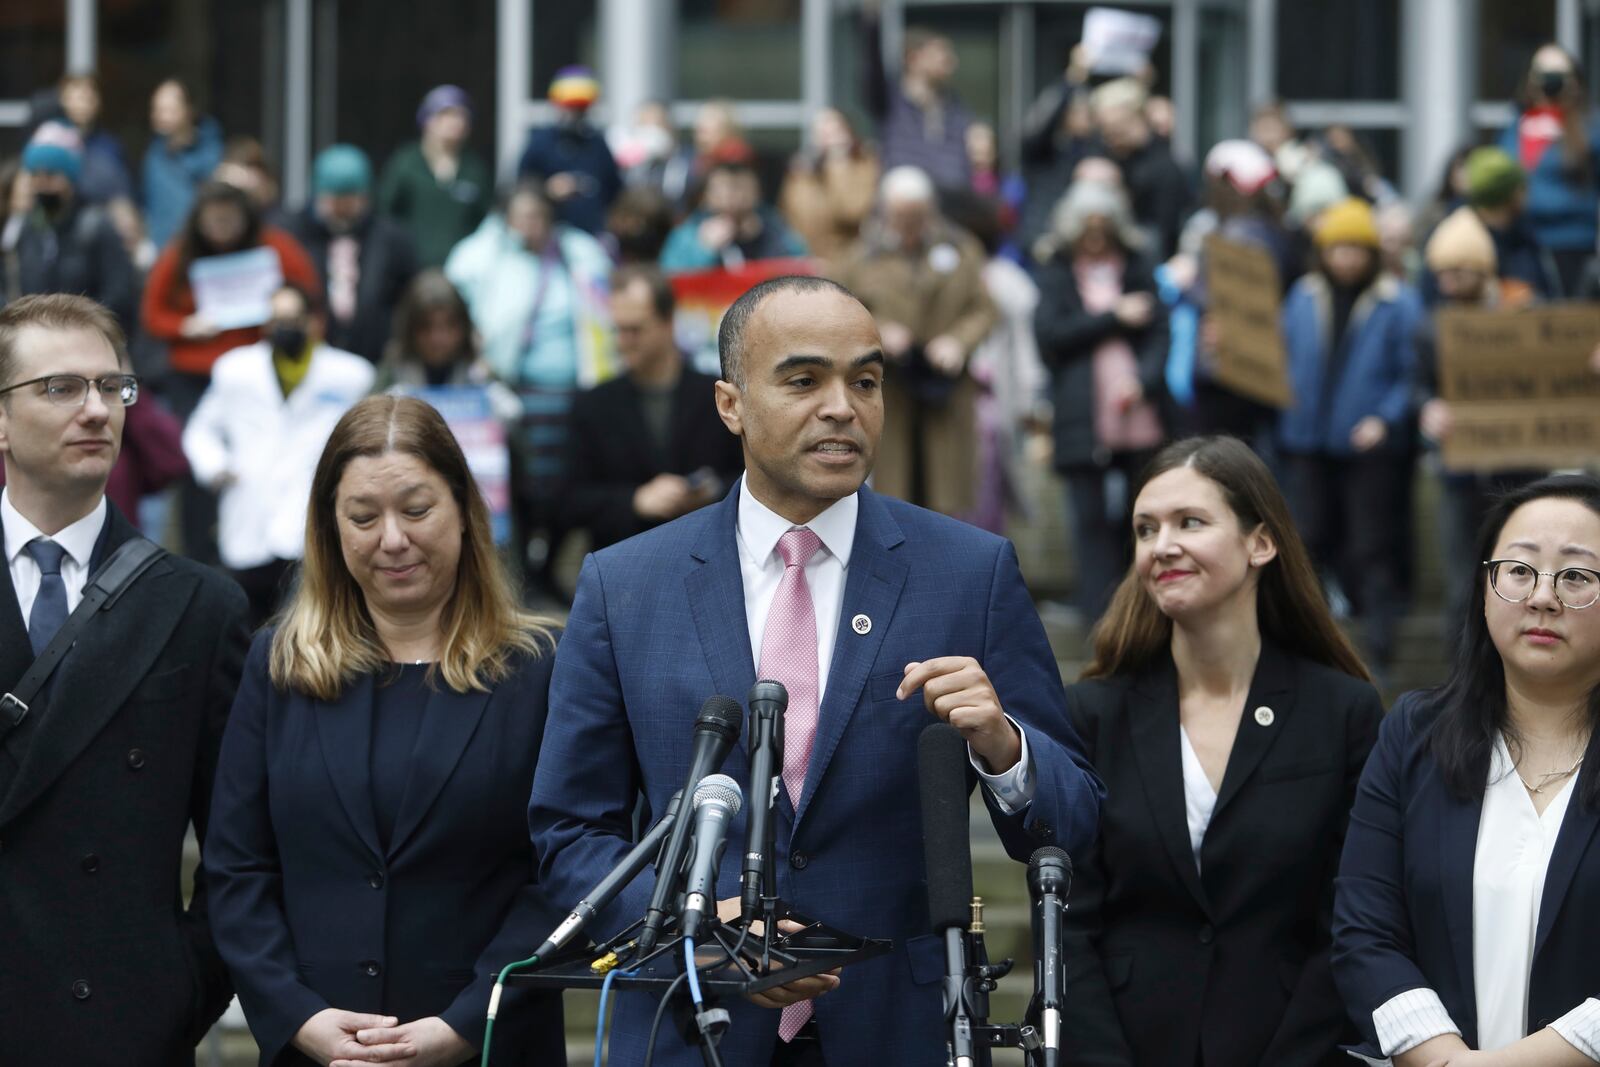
(1243, 293)
(1519, 385)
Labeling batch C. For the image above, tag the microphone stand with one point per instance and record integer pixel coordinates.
(967, 1007)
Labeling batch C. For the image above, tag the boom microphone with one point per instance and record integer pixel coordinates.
(767, 701)
(716, 728)
(716, 801)
(1049, 880)
(947, 849)
(609, 886)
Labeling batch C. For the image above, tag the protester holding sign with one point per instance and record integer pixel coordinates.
(224, 221)
(1349, 333)
(1461, 258)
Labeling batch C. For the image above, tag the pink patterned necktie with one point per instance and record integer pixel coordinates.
(789, 655)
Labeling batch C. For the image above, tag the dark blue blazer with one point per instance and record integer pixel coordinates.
(1403, 903)
(658, 625)
(310, 913)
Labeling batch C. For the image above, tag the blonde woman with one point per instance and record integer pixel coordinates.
(367, 850)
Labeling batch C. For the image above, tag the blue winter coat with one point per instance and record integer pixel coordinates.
(170, 178)
(1374, 379)
(1560, 209)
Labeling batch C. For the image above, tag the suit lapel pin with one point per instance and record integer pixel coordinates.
(1264, 715)
(861, 625)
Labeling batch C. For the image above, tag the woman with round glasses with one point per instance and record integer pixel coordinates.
(1465, 930)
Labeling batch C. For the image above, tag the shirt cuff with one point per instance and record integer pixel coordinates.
(1013, 789)
(1580, 1028)
(1407, 1020)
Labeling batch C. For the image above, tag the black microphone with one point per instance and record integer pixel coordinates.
(716, 728)
(768, 701)
(608, 887)
(942, 781)
(716, 801)
(1049, 880)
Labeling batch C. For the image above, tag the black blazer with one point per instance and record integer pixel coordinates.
(310, 913)
(610, 454)
(1166, 963)
(100, 962)
(1068, 336)
(1403, 909)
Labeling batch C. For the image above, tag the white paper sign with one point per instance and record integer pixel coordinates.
(236, 289)
(1119, 42)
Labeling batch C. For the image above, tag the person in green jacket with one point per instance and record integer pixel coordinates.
(437, 187)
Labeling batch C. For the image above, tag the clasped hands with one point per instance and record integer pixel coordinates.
(336, 1038)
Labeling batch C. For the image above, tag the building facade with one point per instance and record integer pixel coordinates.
(1414, 78)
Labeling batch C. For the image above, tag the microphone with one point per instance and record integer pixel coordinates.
(947, 849)
(1049, 880)
(716, 801)
(609, 886)
(716, 728)
(767, 701)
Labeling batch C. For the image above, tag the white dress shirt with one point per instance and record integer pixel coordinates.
(757, 530)
(1199, 799)
(77, 540)
(1515, 843)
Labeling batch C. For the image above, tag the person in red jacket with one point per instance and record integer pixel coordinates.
(223, 220)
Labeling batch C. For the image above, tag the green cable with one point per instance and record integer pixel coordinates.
(494, 1003)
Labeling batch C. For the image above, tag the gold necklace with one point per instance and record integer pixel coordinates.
(1547, 780)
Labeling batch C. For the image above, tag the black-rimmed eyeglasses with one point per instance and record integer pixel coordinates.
(72, 390)
(1514, 581)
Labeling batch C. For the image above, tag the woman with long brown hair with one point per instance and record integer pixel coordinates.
(1229, 718)
(367, 854)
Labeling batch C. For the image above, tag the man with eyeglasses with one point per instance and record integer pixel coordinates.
(103, 770)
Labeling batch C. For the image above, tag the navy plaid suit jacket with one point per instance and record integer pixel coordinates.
(658, 625)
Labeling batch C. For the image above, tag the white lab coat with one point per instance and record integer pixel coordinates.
(270, 444)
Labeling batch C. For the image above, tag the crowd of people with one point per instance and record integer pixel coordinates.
(403, 777)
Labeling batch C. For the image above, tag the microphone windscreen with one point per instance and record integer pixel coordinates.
(722, 715)
(1049, 871)
(719, 789)
(946, 841)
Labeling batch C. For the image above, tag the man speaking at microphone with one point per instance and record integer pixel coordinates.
(873, 614)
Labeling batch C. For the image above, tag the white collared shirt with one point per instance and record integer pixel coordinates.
(78, 540)
(757, 532)
(1515, 843)
(1199, 799)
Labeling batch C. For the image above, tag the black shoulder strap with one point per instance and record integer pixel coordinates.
(131, 559)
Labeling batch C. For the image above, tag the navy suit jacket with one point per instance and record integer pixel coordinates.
(658, 625)
(310, 912)
(1403, 902)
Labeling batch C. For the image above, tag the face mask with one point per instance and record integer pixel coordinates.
(49, 203)
(288, 340)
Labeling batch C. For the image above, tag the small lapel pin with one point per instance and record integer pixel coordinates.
(861, 625)
(1264, 716)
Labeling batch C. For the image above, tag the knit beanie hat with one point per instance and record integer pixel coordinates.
(440, 98)
(1318, 186)
(1493, 177)
(1461, 242)
(1349, 222)
(55, 147)
(340, 169)
(574, 87)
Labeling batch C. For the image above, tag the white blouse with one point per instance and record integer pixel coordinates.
(1199, 799)
(1515, 843)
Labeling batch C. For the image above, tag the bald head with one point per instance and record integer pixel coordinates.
(736, 320)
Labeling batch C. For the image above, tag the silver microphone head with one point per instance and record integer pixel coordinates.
(719, 789)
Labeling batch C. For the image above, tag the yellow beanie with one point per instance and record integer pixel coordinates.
(1461, 242)
(1349, 222)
